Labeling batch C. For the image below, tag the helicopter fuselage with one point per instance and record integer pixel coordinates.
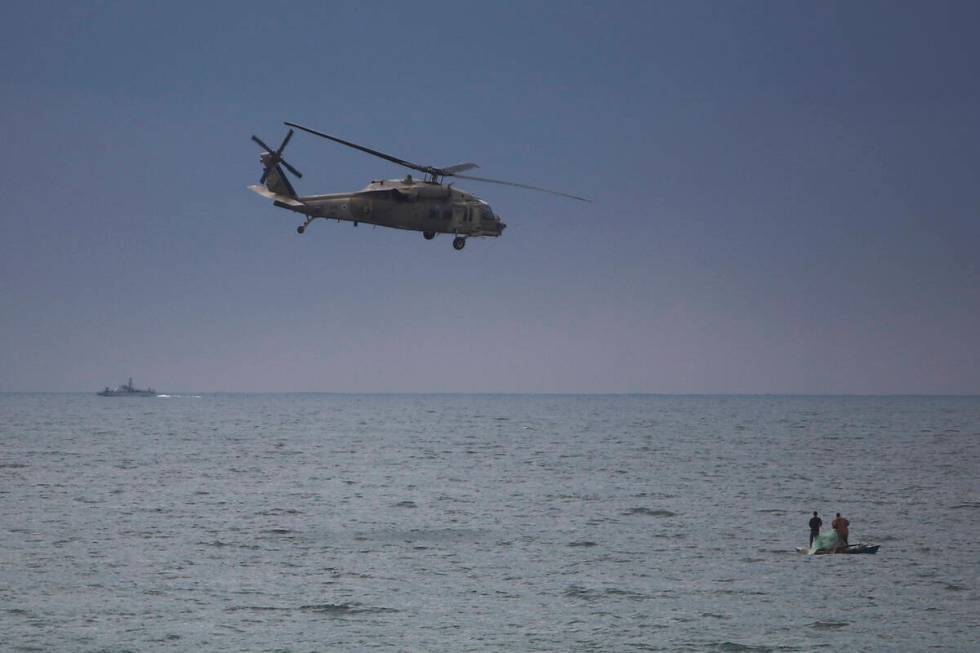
(425, 206)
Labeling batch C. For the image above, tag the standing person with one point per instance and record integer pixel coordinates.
(840, 525)
(815, 524)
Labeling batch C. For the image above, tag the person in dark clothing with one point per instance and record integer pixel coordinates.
(815, 524)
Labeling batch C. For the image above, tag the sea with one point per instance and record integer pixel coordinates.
(331, 522)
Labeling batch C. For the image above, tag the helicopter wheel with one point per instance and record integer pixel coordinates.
(428, 235)
(459, 242)
(300, 229)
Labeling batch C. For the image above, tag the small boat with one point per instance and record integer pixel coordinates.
(128, 390)
(851, 548)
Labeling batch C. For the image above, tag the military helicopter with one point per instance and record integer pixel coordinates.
(427, 205)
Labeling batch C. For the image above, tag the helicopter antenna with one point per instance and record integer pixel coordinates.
(434, 173)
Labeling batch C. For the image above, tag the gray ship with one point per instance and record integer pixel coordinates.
(128, 390)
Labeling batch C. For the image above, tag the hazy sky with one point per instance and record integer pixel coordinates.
(786, 197)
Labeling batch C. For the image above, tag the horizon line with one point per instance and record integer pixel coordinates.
(518, 393)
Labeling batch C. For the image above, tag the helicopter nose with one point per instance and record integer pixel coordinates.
(500, 227)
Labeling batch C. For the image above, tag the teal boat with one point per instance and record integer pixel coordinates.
(829, 543)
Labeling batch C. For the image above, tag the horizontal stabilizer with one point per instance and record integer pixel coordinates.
(283, 199)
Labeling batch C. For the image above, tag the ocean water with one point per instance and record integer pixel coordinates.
(486, 523)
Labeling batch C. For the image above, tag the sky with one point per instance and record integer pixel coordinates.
(785, 197)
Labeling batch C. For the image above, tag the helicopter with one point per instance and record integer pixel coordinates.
(427, 205)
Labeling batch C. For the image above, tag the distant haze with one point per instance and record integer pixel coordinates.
(786, 197)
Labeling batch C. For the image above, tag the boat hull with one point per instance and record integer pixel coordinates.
(127, 390)
(853, 548)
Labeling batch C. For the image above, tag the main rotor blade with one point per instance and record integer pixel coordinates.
(527, 186)
(382, 155)
(450, 171)
(459, 167)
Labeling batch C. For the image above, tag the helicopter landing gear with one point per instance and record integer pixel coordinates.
(428, 235)
(459, 242)
(300, 229)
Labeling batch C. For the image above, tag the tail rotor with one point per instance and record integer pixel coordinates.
(271, 158)
(273, 177)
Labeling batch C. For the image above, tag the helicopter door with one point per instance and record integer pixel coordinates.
(459, 213)
(462, 217)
